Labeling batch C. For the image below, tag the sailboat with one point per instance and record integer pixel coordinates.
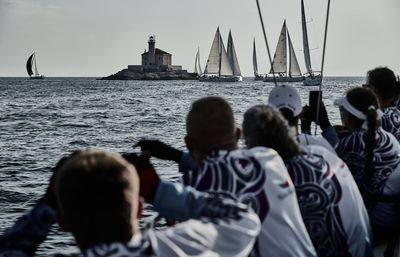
(312, 78)
(197, 68)
(279, 64)
(221, 66)
(255, 67)
(32, 62)
(233, 61)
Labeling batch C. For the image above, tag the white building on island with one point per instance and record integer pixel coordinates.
(155, 60)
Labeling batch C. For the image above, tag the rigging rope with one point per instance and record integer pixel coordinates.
(322, 65)
(266, 42)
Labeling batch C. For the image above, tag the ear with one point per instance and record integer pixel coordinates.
(238, 134)
(140, 207)
(61, 222)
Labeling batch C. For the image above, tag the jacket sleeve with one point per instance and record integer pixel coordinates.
(213, 227)
(30, 230)
(187, 163)
(176, 201)
(200, 238)
(331, 136)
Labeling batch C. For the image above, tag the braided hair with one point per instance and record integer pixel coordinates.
(364, 100)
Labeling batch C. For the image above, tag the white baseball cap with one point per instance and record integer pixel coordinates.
(285, 96)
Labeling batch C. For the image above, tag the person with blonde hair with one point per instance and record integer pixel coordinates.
(97, 196)
(330, 203)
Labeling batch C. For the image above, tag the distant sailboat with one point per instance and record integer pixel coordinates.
(279, 64)
(219, 67)
(255, 66)
(32, 62)
(312, 78)
(197, 68)
(232, 57)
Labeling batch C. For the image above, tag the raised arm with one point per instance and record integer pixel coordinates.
(28, 232)
(212, 227)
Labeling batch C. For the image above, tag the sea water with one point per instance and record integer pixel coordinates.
(43, 120)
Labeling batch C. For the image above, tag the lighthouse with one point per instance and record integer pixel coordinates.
(152, 51)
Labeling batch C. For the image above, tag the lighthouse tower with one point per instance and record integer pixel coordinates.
(152, 51)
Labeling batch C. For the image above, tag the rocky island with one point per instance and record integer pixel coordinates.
(156, 65)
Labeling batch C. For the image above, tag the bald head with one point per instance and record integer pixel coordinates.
(98, 196)
(210, 124)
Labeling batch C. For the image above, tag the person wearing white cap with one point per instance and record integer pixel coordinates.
(372, 155)
(330, 202)
(287, 100)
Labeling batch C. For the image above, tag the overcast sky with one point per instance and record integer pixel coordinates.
(100, 37)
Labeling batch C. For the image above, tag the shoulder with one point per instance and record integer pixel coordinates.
(306, 140)
(352, 142)
(267, 158)
(320, 151)
(391, 117)
(391, 110)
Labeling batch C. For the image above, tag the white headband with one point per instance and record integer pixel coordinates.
(342, 102)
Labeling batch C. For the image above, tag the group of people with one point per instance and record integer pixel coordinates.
(287, 193)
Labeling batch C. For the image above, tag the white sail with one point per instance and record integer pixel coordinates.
(306, 47)
(225, 67)
(213, 61)
(294, 68)
(232, 56)
(36, 70)
(279, 62)
(198, 62)
(255, 59)
(195, 64)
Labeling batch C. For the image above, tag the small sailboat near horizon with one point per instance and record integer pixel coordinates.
(279, 68)
(222, 65)
(32, 62)
(197, 67)
(255, 66)
(311, 78)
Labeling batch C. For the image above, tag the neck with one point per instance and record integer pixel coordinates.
(201, 155)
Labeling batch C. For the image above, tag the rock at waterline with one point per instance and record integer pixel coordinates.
(127, 74)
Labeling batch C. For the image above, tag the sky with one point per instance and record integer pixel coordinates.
(96, 38)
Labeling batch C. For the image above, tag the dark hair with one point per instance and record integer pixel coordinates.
(364, 100)
(383, 80)
(263, 125)
(210, 122)
(289, 116)
(91, 191)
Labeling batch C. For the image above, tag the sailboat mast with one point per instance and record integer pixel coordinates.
(195, 63)
(266, 42)
(198, 60)
(306, 47)
(255, 68)
(289, 74)
(220, 53)
(323, 61)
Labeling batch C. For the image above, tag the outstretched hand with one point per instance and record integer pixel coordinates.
(160, 150)
(148, 177)
(311, 114)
